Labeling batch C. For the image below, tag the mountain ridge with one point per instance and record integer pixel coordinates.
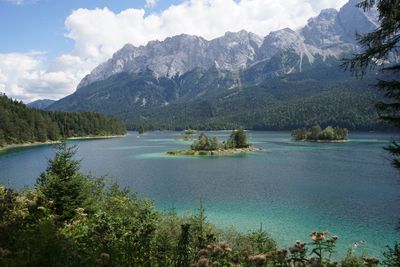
(330, 34)
(140, 84)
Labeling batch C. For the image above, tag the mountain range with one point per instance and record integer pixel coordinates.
(237, 79)
(41, 103)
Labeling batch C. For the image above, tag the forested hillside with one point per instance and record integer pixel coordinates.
(324, 97)
(20, 124)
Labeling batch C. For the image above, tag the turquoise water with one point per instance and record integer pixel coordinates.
(291, 188)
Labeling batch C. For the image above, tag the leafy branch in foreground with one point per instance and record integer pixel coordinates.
(380, 49)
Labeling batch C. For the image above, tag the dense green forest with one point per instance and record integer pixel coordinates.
(20, 124)
(71, 219)
(264, 108)
(209, 100)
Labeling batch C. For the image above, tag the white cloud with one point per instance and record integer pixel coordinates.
(27, 77)
(151, 3)
(98, 33)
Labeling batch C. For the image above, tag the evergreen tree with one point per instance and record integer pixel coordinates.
(183, 250)
(380, 50)
(63, 184)
(238, 139)
(392, 256)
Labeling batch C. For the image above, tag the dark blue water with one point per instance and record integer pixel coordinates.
(291, 188)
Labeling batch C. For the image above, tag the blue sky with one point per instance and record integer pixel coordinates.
(39, 24)
(48, 46)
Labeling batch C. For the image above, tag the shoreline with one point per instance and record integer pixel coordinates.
(324, 141)
(220, 152)
(33, 144)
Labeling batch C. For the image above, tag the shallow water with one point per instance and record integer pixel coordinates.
(290, 188)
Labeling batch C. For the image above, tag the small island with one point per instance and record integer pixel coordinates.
(211, 146)
(187, 135)
(317, 134)
(189, 132)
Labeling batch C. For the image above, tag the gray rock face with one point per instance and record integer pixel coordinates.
(323, 31)
(284, 40)
(180, 54)
(354, 20)
(330, 34)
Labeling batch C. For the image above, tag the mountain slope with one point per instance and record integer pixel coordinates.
(41, 103)
(284, 103)
(238, 78)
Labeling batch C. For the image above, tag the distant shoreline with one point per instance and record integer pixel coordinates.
(324, 141)
(13, 146)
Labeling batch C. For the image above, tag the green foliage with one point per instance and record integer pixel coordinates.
(183, 250)
(63, 185)
(315, 133)
(20, 124)
(392, 256)
(283, 104)
(238, 139)
(205, 143)
(380, 50)
(352, 260)
(260, 241)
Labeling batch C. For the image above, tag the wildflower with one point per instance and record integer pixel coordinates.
(223, 245)
(280, 255)
(370, 261)
(41, 208)
(314, 262)
(260, 259)
(318, 236)
(202, 262)
(23, 212)
(203, 253)
(218, 250)
(4, 252)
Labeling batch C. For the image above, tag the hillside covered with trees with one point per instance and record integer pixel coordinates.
(20, 124)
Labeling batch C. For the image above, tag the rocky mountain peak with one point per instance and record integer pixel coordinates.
(330, 34)
(281, 41)
(354, 20)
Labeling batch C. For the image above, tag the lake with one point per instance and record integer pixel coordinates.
(291, 188)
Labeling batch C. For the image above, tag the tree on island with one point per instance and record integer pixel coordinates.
(205, 143)
(316, 133)
(237, 139)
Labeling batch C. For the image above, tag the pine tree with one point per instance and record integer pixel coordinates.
(381, 51)
(63, 184)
